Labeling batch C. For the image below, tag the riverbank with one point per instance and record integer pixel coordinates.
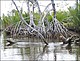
(23, 33)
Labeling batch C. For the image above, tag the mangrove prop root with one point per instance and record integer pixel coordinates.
(22, 19)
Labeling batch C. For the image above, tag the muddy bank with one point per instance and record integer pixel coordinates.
(34, 37)
(25, 33)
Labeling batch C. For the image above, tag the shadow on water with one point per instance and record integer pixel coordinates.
(37, 50)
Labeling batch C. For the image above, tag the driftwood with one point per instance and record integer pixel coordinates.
(70, 40)
(9, 43)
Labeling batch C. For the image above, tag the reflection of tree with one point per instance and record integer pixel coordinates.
(55, 57)
(78, 54)
(45, 50)
(69, 48)
(25, 52)
(31, 52)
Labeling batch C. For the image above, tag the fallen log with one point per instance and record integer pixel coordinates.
(69, 40)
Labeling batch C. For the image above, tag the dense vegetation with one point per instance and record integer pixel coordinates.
(69, 18)
(41, 23)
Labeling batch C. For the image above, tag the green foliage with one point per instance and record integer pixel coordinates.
(36, 18)
(15, 18)
(10, 19)
(75, 13)
(26, 17)
(5, 21)
(49, 17)
(61, 15)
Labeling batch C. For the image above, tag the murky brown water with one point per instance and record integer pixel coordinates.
(37, 50)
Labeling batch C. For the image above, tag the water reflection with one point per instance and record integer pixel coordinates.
(38, 51)
(56, 54)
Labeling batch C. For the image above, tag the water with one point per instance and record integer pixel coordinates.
(37, 50)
